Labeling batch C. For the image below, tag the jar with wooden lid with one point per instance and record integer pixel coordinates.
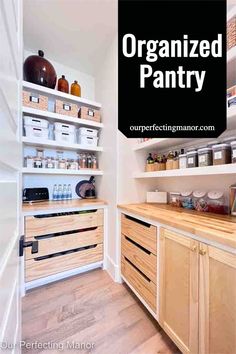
(75, 89)
(170, 160)
(204, 157)
(221, 154)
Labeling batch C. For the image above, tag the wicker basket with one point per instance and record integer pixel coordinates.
(67, 109)
(34, 100)
(90, 114)
(231, 33)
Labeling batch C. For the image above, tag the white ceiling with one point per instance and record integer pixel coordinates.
(75, 33)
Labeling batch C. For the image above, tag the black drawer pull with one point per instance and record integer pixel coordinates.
(137, 245)
(138, 270)
(65, 252)
(138, 221)
(43, 216)
(64, 233)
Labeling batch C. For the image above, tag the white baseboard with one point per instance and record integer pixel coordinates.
(113, 270)
(51, 278)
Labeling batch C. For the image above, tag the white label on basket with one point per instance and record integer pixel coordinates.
(190, 160)
(66, 107)
(90, 113)
(234, 153)
(34, 99)
(202, 158)
(218, 155)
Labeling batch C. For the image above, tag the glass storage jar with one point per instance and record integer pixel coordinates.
(186, 199)
(200, 200)
(192, 160)
(216, 202)
(233, 151)
(174, 199)
(182, 161)
(50, 162)
(62, 164)
(38, 162)
(221, 154)
(29, 161)
(204, 157)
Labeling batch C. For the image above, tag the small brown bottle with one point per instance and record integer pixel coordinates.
(75, 89)
(63, 85)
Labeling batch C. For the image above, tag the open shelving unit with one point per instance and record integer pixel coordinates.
(52, 94)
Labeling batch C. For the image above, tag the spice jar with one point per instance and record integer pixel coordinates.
(192, 160)
(62, 164)
(72, 165)
(186, 199)
(94, 162)
(38, 162)
(216, 202)
(175, 199)
(170, 161)
(204, 157)
(233, 151)
(89, 161)
(75, 89)
(221, 154)
(49, 163)
(176, 161)
(182, 159)
(200, 200)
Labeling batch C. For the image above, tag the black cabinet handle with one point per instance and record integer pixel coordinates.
(23, 244)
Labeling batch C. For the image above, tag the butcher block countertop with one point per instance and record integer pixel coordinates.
(217, 228)
(52, 206)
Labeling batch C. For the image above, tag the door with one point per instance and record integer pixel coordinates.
(217, 311)
(179, 289)
(10, 162)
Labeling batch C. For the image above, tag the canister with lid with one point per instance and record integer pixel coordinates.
(200, 200)
(216, 202)
(192, 159)
(204, 157)
(233, 151)
(174, 199)
(186, 199)
(221, 154)
(182, 159)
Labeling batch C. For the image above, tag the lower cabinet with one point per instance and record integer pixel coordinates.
(64, 241)
(197, 295)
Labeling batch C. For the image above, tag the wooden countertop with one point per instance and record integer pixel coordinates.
(217, 228)
(51, 205)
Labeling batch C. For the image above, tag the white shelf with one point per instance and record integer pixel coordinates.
(48, 171)
(197, 171)
(55, 144)
(65, 96)
(59, 117)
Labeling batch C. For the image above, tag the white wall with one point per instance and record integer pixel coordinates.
(106, 93)
(86, 81)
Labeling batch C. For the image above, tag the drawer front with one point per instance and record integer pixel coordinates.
(144, 260)
(35, 269)
(144, 286)
(55, 244)
(36, 226)
(142, 233)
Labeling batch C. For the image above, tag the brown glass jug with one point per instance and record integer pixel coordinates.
(63, 85)
(75, 89)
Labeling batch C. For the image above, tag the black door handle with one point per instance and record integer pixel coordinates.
(23, 244)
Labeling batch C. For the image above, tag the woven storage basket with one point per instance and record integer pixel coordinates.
(231, 33)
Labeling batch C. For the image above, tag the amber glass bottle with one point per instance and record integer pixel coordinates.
(75, 89)
(63, 84)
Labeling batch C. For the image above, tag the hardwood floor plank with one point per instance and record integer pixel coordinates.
(89, 308)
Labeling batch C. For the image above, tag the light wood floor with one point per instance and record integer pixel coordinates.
(91, 308)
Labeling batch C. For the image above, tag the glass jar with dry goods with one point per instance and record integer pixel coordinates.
(73, 165)
(186, 199)
(192, 159)
(221, 154)
(216, 202)
(50, 162)
(175, 199)
(182, 159)
(29, 161)
(62, 164)
(204, 157)
(200, 200)
(38, 162)
(94, 162)
(233, 151)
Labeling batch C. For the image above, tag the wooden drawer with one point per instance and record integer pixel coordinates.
(54, 244)
(36, 226)
(141, 232)
(143, 259)
(38, 268)
(142, 284)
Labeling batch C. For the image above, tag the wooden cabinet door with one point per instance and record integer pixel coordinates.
(179, 289)
(217, 301)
